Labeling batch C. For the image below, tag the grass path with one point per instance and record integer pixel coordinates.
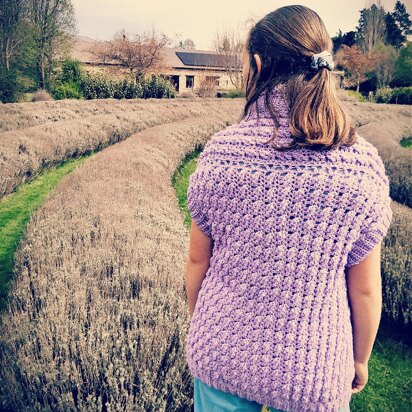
(15, 211)
(389, 388)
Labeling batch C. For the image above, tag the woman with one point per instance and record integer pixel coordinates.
(289, 208)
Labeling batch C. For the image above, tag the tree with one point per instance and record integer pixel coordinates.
(371, 29)
(137, 53)
(229, 44)
(403, 70)
(188, 44)
(11, 34)
(17, 49)
(348, 38)
(55, 25)
(386, 57)
(394, 34)
(357, 63)
(402, 18)
(398, 26)
(101, 51)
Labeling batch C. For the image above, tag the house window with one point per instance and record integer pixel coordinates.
(190, 81)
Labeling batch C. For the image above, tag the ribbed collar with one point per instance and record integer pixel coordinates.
(281, 107)
(277, 96)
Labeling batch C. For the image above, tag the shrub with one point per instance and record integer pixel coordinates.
(383, 95)
(67, 83)
(97, 87)
(406, 141)
(101, 87)
(8, 86)
(207, 87)
(232, 94)
(127, 89)
(41, 95)
(157, 87)
(67, 91)
(358, 96)
(71, 71)
(401, 95)
(25, 98)
(398, 95)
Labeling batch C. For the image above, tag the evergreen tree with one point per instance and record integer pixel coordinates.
(402, 18)
(394, 34)
(349, 39)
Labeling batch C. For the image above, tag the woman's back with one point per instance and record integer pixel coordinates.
(272, 320)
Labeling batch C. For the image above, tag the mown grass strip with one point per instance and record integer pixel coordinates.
(389, 387)
(15, 211)
(180, 181)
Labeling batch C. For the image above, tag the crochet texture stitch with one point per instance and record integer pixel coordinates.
(272, 319)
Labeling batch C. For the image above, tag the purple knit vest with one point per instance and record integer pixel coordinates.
(272, 320)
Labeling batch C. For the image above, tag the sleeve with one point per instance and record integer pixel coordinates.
(197, 200)
(374, 227)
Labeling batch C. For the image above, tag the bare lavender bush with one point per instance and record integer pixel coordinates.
(97, 315)
(33, 138)
(385, 125)
(397, 270)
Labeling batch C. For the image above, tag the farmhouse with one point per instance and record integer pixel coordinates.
(191, 67)
(186, 69)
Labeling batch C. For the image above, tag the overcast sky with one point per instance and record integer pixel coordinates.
(199, 20)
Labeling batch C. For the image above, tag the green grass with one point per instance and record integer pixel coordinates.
(406, 142)
(389, 388)
(180, 181)
(15, 211)
(360, 97)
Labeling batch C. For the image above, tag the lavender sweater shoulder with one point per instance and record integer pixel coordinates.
(272, 319)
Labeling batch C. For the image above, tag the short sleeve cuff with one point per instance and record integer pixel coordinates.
(197, 209)
(202, 224)
(370, 238)
(363, 248)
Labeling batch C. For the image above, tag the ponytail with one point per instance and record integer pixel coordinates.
(317, 118)
(286, 39)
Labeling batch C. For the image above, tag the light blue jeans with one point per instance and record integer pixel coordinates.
(210, 399)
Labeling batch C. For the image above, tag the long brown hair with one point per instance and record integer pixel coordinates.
(285, 40)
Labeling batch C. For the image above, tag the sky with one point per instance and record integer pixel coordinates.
(200, 20)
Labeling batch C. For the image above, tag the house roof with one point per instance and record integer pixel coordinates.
(204, 59)
(82, 47)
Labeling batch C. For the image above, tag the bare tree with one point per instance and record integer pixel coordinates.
(207, 84)
(385, 64)
(357, 63)
(229, 43)
(11, 38)
(55, 25)
(137, 53)
(372, 26)
(101, 51)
